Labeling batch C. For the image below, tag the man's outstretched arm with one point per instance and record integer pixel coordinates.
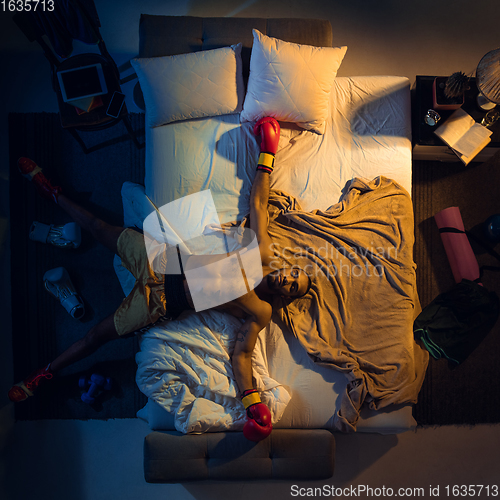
(243, 349)
(269, 131)
(259, 424)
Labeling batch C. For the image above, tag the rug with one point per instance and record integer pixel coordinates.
(41, 326)
(469, 393)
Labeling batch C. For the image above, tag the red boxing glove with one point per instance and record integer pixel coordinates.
(258, 425)
(269, 130)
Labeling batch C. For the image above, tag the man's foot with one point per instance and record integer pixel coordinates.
(24, 389)
(34, 173)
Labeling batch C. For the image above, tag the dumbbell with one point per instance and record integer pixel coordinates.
(96, 381)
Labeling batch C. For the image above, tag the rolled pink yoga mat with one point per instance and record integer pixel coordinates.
(458, 250)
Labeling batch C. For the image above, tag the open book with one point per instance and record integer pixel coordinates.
(464, 136)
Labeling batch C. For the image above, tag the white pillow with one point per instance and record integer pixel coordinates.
(194, 85)
(291, 82)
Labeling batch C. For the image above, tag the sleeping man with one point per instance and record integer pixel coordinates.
(154, 296)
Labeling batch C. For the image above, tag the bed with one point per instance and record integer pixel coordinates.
(343, 358)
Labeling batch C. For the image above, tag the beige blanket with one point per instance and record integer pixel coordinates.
(359, 313)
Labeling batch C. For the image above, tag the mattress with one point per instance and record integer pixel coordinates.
(368, 134)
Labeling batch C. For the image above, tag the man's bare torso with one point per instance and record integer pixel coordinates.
(250, 303)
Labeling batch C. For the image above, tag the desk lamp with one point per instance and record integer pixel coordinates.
(488, 80)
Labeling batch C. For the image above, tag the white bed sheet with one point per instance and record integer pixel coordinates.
(368, 134)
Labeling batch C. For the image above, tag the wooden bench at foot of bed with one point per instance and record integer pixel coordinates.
(172, 457)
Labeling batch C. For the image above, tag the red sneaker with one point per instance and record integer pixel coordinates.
(24, 389)
(34, 173)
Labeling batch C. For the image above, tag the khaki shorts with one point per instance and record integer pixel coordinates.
(145, 304)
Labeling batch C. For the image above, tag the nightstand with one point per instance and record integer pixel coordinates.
(426, 145)
(96, 119)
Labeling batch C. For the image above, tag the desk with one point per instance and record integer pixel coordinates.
(96, 119)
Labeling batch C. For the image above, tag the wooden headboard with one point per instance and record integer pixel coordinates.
(170, 35)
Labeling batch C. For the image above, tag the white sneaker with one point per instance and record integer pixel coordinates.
(58, 283)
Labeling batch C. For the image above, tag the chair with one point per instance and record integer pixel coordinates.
(78, 21)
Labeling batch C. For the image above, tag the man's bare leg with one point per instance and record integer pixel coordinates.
(103, 232)
(97, 336)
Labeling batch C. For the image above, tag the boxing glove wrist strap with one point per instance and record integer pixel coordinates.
(250, 398)
(266, 162)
